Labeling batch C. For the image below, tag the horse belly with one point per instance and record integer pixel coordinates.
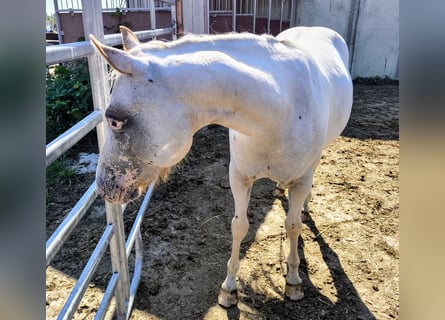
(280, 164)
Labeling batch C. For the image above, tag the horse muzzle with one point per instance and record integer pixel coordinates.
(116, 194)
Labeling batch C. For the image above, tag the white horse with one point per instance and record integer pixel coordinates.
(284, 99)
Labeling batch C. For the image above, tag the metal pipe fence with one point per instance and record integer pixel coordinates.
(120, 285)
(112, 5)
(270, 9)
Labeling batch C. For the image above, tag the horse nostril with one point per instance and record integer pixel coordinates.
(116, 117)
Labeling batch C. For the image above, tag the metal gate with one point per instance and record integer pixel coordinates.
(120, 285)
(256, 16)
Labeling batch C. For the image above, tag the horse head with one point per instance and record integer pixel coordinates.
(146, 132)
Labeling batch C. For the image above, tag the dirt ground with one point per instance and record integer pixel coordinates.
(349, 248)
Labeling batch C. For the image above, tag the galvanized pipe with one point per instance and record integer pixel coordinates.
(76, 50)
(139, 253)
(114, 235)
(292, 14)
(79, 289)
(119, 258)
(108, 296)
(254, 17)
(63, 231)
(70, 137)
(234, 15)
(269, 13)
(138, 220)
(152, 14)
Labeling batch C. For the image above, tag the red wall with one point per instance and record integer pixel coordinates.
(72, 25)
(223, 23)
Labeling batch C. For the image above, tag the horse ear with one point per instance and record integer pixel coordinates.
(129, 39)
(118, 59)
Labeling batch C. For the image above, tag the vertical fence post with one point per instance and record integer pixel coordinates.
(179, 26)
(152, 15)
(234, 15)
(93, 24)
(119, 259)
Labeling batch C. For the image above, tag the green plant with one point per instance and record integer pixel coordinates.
(68, 97)
(59, 172)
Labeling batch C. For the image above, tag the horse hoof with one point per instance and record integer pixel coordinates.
(294, 291)
(227, 299)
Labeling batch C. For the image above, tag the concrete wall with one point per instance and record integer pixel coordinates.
(377, 41)
(335, 14)
(370, 27)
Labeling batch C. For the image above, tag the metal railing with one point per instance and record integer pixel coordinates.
(120, 286)
(270, 9)
(112, 5)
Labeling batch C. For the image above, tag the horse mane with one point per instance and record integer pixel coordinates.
(191, 38)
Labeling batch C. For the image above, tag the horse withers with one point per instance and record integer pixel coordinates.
(283, 99)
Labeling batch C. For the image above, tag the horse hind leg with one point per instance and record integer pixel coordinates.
(241, 193)
(279, 191)
(305, 210)
(298, 193)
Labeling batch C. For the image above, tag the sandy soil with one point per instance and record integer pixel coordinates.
(349, 247)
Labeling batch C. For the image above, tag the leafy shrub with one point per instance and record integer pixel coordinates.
(68, 97)
(60, 172)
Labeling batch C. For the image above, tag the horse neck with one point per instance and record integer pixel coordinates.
(214, 88)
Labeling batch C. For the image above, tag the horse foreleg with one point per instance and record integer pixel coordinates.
(241, 188)
(298, 193)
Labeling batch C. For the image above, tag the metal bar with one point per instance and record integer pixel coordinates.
(174, 19)
(108, 296)
(179, 23)
(222, 12)
(292, 14)
(68, 52)
(119, 258)
(269, 13)
(139, 253)
(152, 15)
(70, 137)
(207, 15)
(79, 289)
(148, 34)
(281, 15)
(254, 17)
(63, 231)
(59, 30)
(138, 220)
(76, 50)
(233, 15)
(116, 38)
